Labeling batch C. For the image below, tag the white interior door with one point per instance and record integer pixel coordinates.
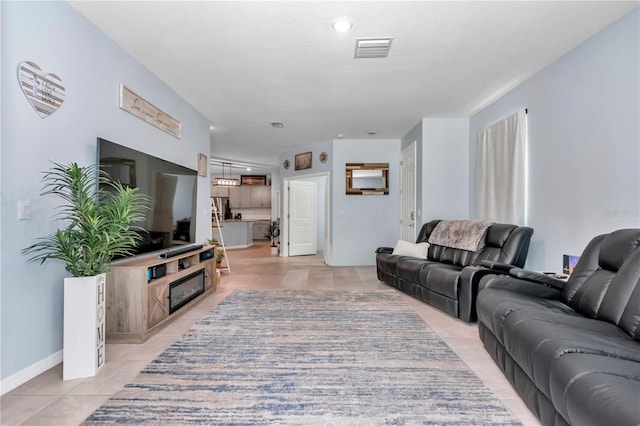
(408, 193)
(302, 218)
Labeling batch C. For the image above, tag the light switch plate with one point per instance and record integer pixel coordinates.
(24, 210)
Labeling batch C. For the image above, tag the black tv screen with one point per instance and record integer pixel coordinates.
(171, 220)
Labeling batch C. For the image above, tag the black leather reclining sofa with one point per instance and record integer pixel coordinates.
(571, 350)
(442, 279)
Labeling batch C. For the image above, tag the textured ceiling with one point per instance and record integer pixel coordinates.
(245, 64)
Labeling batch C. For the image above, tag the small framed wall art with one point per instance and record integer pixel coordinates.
(202, 165)
(303, 161)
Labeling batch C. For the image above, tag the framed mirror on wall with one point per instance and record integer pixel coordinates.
(367, 178)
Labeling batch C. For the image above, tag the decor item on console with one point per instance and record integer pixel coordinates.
(448, 277)
(571, 349)
(99, 219)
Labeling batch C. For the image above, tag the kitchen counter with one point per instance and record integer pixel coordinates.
(236, 233)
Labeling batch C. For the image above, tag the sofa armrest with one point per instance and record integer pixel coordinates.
(537, 277)
(469, 280)
(511, 283)
(497, 266)
(384, 250)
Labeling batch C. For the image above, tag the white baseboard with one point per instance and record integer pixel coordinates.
(30, 372)
(239, 246)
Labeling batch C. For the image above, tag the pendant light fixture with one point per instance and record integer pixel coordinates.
(226, 181)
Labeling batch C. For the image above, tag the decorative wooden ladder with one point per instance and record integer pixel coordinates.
(215, 204)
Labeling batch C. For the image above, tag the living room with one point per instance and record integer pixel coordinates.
(584, 148)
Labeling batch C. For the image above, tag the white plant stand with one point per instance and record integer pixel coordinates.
(84, 330)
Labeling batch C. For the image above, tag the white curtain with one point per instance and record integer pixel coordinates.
(500, 170)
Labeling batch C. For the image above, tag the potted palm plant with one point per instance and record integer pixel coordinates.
(219, 258)
(99, 217)
(272, 233)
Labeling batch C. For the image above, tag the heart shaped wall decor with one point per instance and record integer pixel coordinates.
(45, 92)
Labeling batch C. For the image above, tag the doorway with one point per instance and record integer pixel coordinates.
(303, 218)
(322, 227)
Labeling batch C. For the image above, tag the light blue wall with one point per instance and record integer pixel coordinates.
(61, 41)
(316, 165)
(361, 223)
(443, 183)
(584, 143)
(358, 223)
(442, 174)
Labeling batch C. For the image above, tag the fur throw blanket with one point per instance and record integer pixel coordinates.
(460, 234)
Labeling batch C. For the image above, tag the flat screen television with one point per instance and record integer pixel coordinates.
(171, 221)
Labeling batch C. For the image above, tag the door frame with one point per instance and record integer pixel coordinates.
(284, 220)
(413, 150)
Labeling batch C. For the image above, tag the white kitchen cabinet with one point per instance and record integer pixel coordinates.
(250, 197)
(260, 196)
(240, 197)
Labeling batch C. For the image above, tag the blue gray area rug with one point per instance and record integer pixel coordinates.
(307, 357)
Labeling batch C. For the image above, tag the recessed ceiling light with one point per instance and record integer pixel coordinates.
(340, 136)
(371, 132)
(248, 169)
(342, 25)
(277, 125)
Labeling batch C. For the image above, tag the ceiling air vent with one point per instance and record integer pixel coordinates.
(277, 124)
(373, 47)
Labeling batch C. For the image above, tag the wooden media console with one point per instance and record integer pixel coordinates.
(138, 305)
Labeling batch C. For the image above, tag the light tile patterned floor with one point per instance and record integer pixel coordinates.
(48, 400)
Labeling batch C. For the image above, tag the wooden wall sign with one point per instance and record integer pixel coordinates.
(141, 108)
(45, 92)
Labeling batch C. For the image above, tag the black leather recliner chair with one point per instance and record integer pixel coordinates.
(571, 350)
(445, 279)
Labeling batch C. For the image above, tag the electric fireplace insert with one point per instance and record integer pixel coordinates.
(185, 290)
